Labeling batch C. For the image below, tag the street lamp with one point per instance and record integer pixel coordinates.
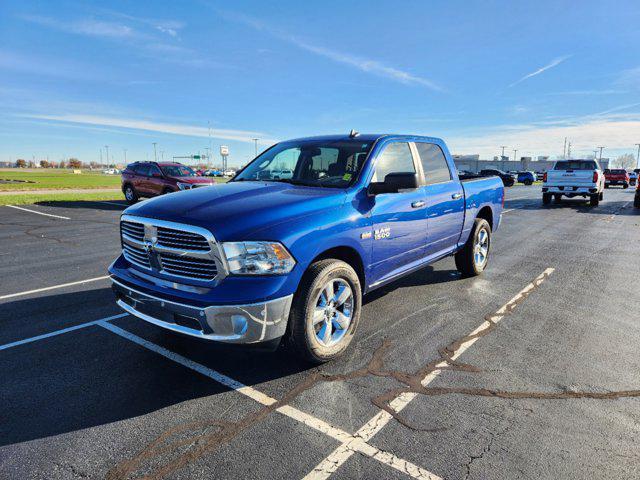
(125, 155)
(601, 148)
(638, 159)
(106, 147)
(502, 147)
(255, 142)
(155, 153)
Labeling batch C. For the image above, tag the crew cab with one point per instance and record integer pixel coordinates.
(150, 179)
(573, 178)
(260, 260)
(616, 176)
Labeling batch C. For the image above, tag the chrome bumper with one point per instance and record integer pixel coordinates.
(253, 323)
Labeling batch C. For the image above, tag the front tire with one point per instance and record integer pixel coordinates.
(130, 195)
(325, 311)
(474, 256)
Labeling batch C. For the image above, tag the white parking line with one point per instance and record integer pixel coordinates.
(357, 444)
(62, 285)
(341, 454)
(39, 213)
(61, 331)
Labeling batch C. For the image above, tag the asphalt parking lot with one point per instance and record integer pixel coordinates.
(529, 371)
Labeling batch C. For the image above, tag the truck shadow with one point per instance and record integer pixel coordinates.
(91, 376)
(113, 205)
(582, 206)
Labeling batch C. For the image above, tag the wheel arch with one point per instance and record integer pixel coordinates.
(486, 213)
(348, 255)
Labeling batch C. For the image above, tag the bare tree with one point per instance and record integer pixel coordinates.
(21, 163)
(626, 161)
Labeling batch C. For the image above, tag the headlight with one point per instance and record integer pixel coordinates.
(258, 258)
(184, 186)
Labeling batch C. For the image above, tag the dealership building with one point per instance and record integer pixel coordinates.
(473, 163)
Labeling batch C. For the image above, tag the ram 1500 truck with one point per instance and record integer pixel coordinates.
(573, 178)
(261, 259)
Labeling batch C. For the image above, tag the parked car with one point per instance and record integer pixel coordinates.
(278, 174)
(572, 178)
(633, 178)
(229, 173)
(616, 176)
(636, 199)
(508, 179)
(150, 179)
(259, 260)
(526, 177)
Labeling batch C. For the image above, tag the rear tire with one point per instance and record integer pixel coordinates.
(546, 198)
(474, 256)
(625, 185)
(594, 200)
(528, 182)
(636, 201)
(317, 316)
(130, 195)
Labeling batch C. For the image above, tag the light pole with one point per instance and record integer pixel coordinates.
(601, 148)
(106, 147)
(255, 142)
(125, 155)
(638, 159)
(515, 153)
(155, 153)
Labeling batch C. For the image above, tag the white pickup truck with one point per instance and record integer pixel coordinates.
(573, 178)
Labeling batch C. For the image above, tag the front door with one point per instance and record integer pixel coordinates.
(445, 200)
(399, 219)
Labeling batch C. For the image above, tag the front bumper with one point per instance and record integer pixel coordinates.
(251, 323)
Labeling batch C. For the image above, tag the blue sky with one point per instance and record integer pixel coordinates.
(76, 76)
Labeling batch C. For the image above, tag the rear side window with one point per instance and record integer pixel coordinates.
(395, 158)
(619, 172)
(142, 169)
(434, 163)
(576, 165)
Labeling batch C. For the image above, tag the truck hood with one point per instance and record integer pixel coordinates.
(237, 210)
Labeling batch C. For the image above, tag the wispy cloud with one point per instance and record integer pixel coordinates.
(609, 91)
(146, 125)
(90, 27)
(373, 67)
(554, 63)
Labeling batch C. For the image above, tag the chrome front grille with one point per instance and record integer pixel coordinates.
(172, 249)
(188, 267)
(181, 239)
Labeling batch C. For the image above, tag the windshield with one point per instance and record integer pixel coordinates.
(177, 171)
(316, 163)
(576, 165)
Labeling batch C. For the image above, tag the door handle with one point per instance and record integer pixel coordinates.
(456, 196)
(418, 204)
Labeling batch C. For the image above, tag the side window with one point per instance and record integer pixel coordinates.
(153, 170)
(434, 163)
(142, 170)
(395, 158)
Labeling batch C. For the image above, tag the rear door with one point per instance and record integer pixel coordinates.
(445, 200)
(140, 179)
(399, 219)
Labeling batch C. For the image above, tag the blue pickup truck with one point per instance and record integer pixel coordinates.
(265, 259)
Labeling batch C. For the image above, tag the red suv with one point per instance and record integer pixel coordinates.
(149, 179)
(616, 177)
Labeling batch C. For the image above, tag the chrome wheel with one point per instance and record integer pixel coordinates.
(333, 312)
(128, 193)
(481, 248)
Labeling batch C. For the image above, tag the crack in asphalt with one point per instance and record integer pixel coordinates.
(200, 440)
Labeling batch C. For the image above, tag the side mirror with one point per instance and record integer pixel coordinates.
(394, 182)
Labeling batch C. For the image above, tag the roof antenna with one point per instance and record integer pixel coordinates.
(353, 133)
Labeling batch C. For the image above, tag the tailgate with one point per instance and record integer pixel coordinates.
(574, 178)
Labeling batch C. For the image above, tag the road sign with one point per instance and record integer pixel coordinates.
(224, 150)
(196, 157)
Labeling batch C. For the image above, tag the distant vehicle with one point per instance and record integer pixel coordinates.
(281, 174)
(265, 261)
(110, 171)
(526, 177)
(212, 173)
(465, 173)
(636, 199)
(616, 176)
(572, 178)
(229, 173)
(150, 179)
(540, 175)
(633, 178)
(508, 179)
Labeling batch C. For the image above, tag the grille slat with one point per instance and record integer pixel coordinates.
(181, 239)
(136, 255)
(133, 230)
